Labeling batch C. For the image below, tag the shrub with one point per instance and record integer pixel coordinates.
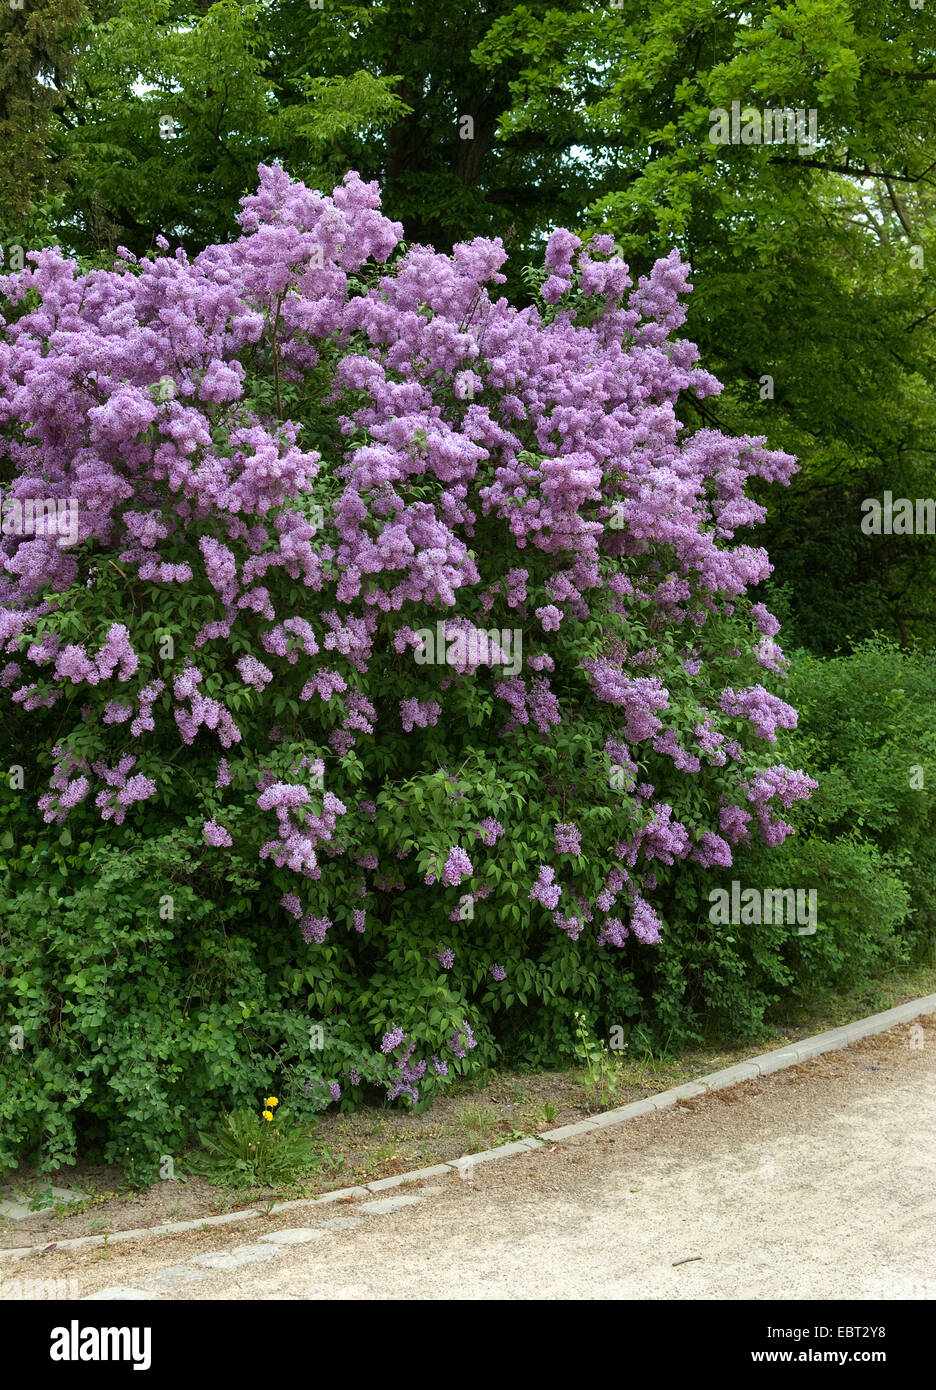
(866, 842)
(131, 1029)
(422, 610)
(867, 733)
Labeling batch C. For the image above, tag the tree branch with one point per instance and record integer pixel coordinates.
(852, 171)
(898, 208)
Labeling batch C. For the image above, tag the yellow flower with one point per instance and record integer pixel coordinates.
(271, 1100)
(268, 1115)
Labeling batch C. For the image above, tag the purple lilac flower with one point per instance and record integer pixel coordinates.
(567, 838)
(489, 831)
(392, 1040)
(314, 928)
(216, 835)
(461, 1039)
(544, 890)
(457, 867)
(253, 672)
(766, 622)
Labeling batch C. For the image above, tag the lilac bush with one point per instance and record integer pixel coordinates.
(425, 605)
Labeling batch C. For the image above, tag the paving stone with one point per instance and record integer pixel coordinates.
(814, 1047)
(173, 1277)
(116, 1291)
(339, 1195)
(779, 1060)
(14, 1211)
(677, 1093)
(521, 1146)
(225, 1219)
(237, 1257)
(438, 1170)
(624, 1113)
(730, 1076)
(914, 1008)
(569, 1131)
(343, 1223)
(293, 1235)
(384, 1184)
(387, 1204)
(69, 1194)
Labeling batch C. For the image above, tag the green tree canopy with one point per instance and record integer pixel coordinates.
(814, 302)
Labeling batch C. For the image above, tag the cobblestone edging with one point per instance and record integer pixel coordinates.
(763, 1065)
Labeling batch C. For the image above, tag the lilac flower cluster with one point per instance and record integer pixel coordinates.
(568, 838)
(576, 465)
(457, 867)
(489, 831)
(544, 890)
(766, 712)
(462, 1040)
(216, 835)
(419, 713)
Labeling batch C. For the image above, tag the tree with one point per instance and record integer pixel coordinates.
(816, 292)
(815, 265)
(165, 115)
(37, 58)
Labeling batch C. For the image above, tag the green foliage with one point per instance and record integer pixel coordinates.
(813, 267)
(866, 842)
(139, 1029)
(728, 980)
(37, 38)
(602, 1067)
(866, 733)
(136, 1025)
(169, 113)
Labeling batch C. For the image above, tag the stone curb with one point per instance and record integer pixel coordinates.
(763, 1065)
(488, 1155)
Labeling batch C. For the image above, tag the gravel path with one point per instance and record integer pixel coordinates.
(819, 1182)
